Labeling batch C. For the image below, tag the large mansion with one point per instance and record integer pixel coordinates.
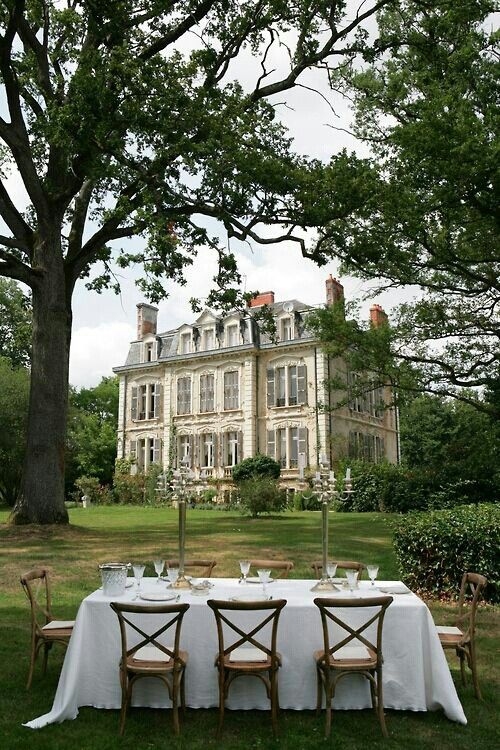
(217, 390)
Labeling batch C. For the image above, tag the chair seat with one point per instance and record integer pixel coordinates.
(348, 657)
(57, 629)
(154, 660)
(248, 666)
(450, 636)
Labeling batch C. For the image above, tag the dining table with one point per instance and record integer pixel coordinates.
(416, 676)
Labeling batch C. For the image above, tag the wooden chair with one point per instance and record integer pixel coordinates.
(282, 566)
(45, 630)
(256, 659)
(150, 658)
(317, 566)
(361, 657)
(462, 636)
(202, 568)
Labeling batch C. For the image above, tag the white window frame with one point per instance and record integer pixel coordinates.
(227, 337)
(186, 338)
(205, 333)
(207, 441)
(283, 382)
(189, 409)
(207, 394)
(286, 329)
(231, 392)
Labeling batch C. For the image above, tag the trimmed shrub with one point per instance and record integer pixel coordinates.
(308, 500)
(434, 549)
(88, 486)
(261, 495)
(256, 466)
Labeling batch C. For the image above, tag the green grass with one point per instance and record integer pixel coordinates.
(100, 534)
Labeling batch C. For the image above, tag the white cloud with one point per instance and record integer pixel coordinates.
(96, 349)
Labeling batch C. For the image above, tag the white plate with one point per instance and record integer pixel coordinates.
(248, 598)
(152, 596)
(257, 580)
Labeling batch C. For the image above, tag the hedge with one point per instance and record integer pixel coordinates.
(435, 548)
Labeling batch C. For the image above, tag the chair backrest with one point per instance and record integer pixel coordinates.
(220, 609)
(317, 566)
(36, 583)
(176, 613)
(473, 585)
(327, 609)
(193, 566)
(282, 566)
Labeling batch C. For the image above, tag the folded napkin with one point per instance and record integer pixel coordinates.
(59, 624)
(448, 630)
(397, 588)
(352, 652)
(151, 653)
(248, 653)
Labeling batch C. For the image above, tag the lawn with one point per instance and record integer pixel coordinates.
(99, 534)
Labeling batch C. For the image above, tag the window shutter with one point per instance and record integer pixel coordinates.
(158, 400)
(240, 447)
(191, 451)
(270, 387)
(301, 384)
(133, 408)
(271, 444)
(215, 449)
(303, 442)
(133, 449)
(196, 451)
(156, 450)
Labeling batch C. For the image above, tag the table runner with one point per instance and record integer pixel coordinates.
(416, 676)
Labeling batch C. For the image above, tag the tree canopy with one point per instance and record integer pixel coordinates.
(15, 324)
(429, 113)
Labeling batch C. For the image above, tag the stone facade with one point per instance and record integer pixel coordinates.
(218, 390)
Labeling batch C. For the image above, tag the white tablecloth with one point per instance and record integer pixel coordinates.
(416, 676)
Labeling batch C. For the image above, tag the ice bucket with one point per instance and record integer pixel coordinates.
(114, 578)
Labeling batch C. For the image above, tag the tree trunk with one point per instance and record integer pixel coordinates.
(42, 489)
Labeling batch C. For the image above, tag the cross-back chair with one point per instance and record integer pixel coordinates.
(149, 657)
(281, 568)
(45, 630)
(462, 636)
(256, 658)
(317, 566)
(353, 654)
(195, 567)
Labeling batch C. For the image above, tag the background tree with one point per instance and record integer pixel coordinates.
(14, 394)
(124, 120)
(15, 324)
(429, 113)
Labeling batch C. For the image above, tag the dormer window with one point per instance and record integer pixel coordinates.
(208, 339)
(150, 351)
(232, 335)
(286, 330)
(186, 344)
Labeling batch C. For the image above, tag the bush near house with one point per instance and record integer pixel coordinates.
(256, 466)
(261, 495)
(434, 549)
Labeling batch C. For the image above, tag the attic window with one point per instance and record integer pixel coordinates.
(286, 329)
(185, 343)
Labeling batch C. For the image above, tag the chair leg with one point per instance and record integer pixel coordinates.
(175, 698)
(373, 693)
(328, 708)
(473, 666)
(319, 691)
(463, 675)
(274, 702)
(46, 649)
(126, 694)
(34, 652)
(380, 703)
(221, 703)
(183, 691)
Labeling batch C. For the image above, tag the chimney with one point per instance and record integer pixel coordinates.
(378, 316)
(266, 298)
(146, 319)
(334, 291)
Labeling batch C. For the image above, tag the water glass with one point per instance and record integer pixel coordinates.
(159, 565)
(331, 569)
(264, 578)
(173, 575)
(372, 573)
(138, 573)
(245, 568)
(352, 577)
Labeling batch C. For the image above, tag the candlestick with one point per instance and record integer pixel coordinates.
(324, 584)
(182, 582)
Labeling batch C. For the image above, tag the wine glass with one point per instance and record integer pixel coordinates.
(372, 573)
(138, 573)
(173, 575)
(331, 569)
(352, 577)
(159, 565)
(264, 577)
(244, 567)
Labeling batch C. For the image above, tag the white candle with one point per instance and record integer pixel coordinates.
(348, 475)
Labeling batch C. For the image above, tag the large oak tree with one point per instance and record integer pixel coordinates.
(125, 119)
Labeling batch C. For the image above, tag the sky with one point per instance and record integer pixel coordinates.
(103, 325)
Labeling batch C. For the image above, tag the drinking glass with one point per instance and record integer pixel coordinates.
(331, 569)
(264, 577)
(352, 577)
(159, 565)
(138, 573)
(372, 573)
(173, 575)
(244, 567)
